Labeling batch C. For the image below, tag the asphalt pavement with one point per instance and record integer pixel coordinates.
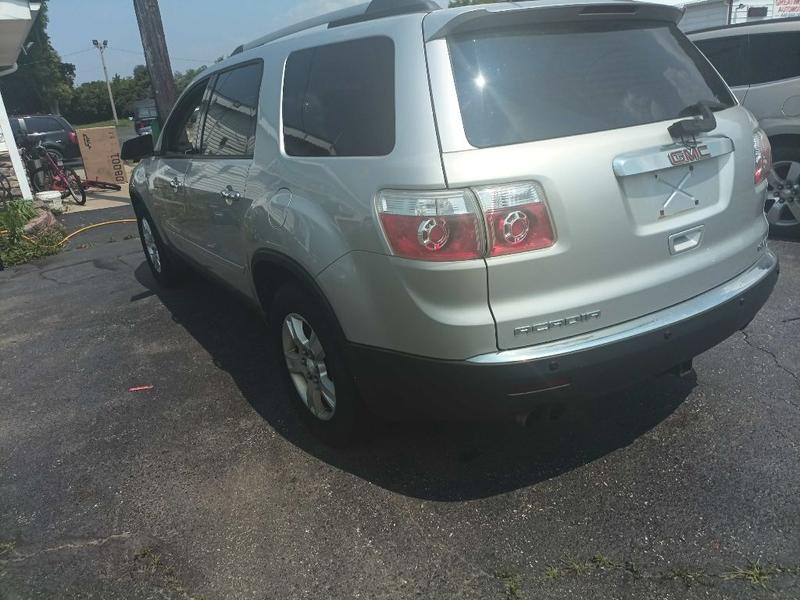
(201, 482)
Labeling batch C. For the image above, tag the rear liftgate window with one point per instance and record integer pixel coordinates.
(338, 100)
(533, 83)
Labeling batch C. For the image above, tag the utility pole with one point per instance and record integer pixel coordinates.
(156, 55)
(102, 48)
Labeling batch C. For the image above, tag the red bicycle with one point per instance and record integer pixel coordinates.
(47, 173)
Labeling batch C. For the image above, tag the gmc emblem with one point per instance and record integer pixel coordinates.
(689, 155)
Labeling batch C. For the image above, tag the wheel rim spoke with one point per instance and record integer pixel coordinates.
(794, 209)
(294, 362)
(774, 179)
(774, 213)
(315, 346)
(793, 175)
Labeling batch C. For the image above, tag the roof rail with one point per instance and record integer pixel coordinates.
(377, 9)
(302, 26)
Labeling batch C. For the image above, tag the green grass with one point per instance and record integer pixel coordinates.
(6, 548)
(512, 583)
(754, 572)
(123, 122)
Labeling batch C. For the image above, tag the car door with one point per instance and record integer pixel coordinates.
(216, 196)
(180, 142)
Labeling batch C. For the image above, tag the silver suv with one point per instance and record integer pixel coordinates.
(761, 63)
(467, 212)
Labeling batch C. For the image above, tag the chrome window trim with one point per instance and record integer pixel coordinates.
(668, 317)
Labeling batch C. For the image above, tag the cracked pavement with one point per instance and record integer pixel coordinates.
(206, 486)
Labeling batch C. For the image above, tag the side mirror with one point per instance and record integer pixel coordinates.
(137, 148)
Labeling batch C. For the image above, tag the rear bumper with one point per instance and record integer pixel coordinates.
(517, 381)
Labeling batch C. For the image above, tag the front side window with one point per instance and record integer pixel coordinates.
(729, 57)
(538, 82)
(338, 100)
(230, 124)
(182, 134)
(776, 56)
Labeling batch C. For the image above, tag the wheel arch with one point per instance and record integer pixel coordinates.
(271, 269)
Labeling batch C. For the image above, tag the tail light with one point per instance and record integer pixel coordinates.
(449, 225)
(516, 218)
(73, 137)
(763, 156)
(434, 225)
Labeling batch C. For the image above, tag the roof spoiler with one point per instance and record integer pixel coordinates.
(529, 13)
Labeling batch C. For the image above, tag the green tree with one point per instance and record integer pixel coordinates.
(42, 83)
(183, 79)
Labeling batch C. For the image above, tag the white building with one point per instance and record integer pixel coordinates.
(713, 13)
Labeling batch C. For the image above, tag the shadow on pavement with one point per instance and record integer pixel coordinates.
(432, 461)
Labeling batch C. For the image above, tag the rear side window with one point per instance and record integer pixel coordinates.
(338, 100)
(43, 124)
(777, 56)
(230, 125)
(729, 56)
(541, 82)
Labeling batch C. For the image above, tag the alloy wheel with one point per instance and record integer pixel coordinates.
(150, 245)
(783, 198)
(305, 359)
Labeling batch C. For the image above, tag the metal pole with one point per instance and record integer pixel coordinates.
(16, 161)
(156, 55)
(102, 47)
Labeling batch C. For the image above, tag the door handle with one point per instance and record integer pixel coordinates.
(230, 195)
(175, 184)
(686, 240)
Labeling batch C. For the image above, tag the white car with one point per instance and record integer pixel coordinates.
(761, 63)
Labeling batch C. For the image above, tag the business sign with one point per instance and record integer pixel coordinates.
(787, 8)
(100, 153)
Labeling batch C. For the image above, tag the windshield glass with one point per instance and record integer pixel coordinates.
(539, 82)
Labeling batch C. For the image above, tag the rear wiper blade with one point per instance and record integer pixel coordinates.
(694, 109)
(688, 129)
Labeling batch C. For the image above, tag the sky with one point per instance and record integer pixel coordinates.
(197, 31)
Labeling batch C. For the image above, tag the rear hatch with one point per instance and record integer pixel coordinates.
(579, 99)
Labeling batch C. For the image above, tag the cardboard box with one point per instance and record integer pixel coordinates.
(100, 152)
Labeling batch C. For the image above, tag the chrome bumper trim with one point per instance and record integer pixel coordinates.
(631, 329)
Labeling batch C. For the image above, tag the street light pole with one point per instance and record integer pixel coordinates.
(101, 48)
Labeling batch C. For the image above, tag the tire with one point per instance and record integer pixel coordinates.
(163, 266)
(782, 222)
(339, 423)
(75, 187)
(42, 180)
(56, 155)
(5, 190)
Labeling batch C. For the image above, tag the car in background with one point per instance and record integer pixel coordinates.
(761, 63)
(145, 114)
(55, 133)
